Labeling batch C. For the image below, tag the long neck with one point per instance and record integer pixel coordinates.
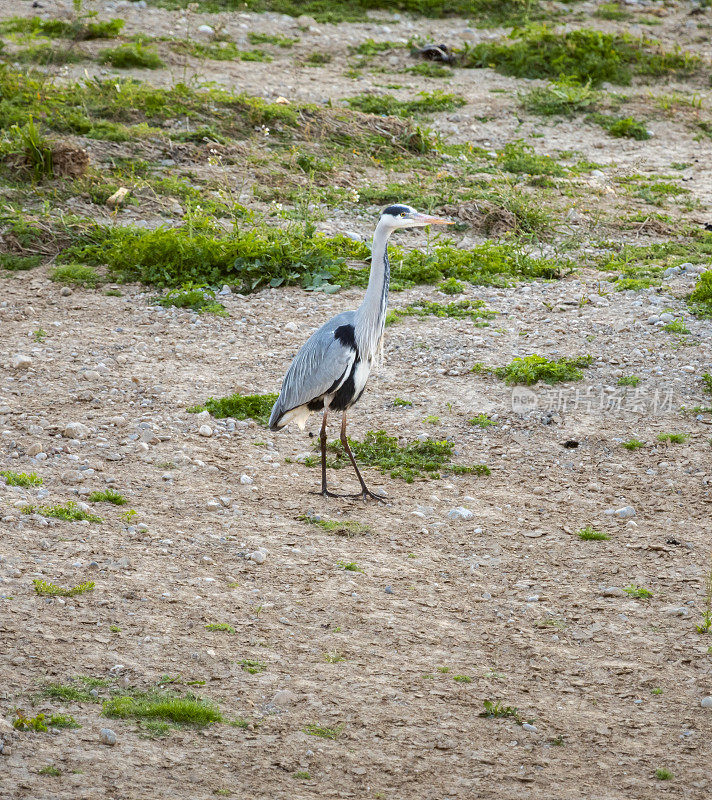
(372, 311)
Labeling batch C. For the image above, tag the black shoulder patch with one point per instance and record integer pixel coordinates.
(346, 334)
(396, 210)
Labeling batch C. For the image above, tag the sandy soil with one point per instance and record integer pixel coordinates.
(510, 598)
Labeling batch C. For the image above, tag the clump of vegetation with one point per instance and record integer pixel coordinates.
(474, 309)
(451, 286)
(15, 263)
(663, 774)
(52, 590)
(41, 723)
(318, 59)
(676, 326)
(79, 29)
(519, 157)
(430, 70)
(611, 11)
(482, 421)
(21, 478)
(589, 534)
(238, 406)
(628, 380)
(583, 54)
(340, 527)
(76, 275)
(29, 149)
(388, 105)
(421, 459)
(271, 38)
(50, 769)
(706, 382)
(252, 666)
(462, 678)
(323, 732)
(499, 710)
(706, 625)
(621, 127)
(401, 403)
(131, 55)
(69, 511)
(532, 369)
(700, 301)
(633, 444)
(180, 710)
(565, 97)
(45, 53)
(67, 693)
(673, 438)
(198, 298)
(107, 496)
(349, 566)
(221, 51)
(220, 626)
(637, 592)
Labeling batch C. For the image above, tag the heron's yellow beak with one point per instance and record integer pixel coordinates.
(424, 219)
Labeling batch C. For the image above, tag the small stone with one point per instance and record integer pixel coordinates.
(66, 291)
(706, 702)
(206, 29)
(530, 728)
(389, 590)
(258, 557)
(290, 326)
(284, 698)
(75, 430)
(460, 512)
(34, 449)
(246, 480)
(613, 591)
(205, 430)
(107, 736)
(624, 513)
(21, 362)
(213, 505)
(666, 317)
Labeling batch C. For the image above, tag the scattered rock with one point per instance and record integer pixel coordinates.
(613, 591)
(205, 430)
(284, 698)
(706, 702)
(246, 480)
(21, 362)
(75, 430)
(624, 513)
(259, 556)
(460, 512)
(107, 736)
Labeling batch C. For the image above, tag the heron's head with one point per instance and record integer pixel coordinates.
(400, 216)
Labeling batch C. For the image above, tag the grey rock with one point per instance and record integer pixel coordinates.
(624, 513)
(107, 736)
(284, 698)
(706, 702)
(205, 430)
(21, 362)
(460, 512)
(75, 430)
(613, 591)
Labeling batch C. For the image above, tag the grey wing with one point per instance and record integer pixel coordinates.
(321, 363)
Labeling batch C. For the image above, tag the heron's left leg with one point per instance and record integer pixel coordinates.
(322, 443)
(365, 491)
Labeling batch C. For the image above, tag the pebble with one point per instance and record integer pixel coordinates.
(205, 430)
(246, 480)
(213, 505)
(107, 736)
(706, 702)
(206, 29)
(20, 362)
(75, 430)
(624, 513)
(460, 512)
(613, 591)
(531, 728)
(284, 698)
(389, 590)
(259, 556)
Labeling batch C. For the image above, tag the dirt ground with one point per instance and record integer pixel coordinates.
(610, 687)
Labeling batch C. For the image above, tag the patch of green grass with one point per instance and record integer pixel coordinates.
(589, 534)
(462, 678)
(663, 774)
(637, 592)
(388, 105)
(430, 70)
(420, 459)
(498, 711)
(41, 723)
(628, 380)
(252, 666)
(222, 51)
(238, 406)
(706, 382)
(107, 496)
(474, 309)
(323, 732)
(583, 54)
(131, 55)
(349, 566)
(633, 444)
(399, 402)
(532, 369)
(69, 511)
(15, 263)
(612, 11)
(154, 729)
(346, 527)
(565, 97)
(673, 438)
(519, 157)
(220, 626)
(482, 421)
(166, 707)
(634, 284)
(271, 38)
(432, 419)
(79, 29)
(333, 658)
(676, 326)
(20, 478)
(451, 286)
(621, 127)
(52, 590)
(50, 769)
(67, 693)
(198, 298)
(302, 775)
(45, 54)
(76, 275)
(29, 147)
(656, 690)
(700, 301)
(318, 59)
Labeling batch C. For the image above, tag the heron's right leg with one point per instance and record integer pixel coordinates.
(322, 442)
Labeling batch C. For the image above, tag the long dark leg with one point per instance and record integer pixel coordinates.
(365, 491)
(322, 442)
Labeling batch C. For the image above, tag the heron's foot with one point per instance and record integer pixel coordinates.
(367, 493)
(327, 493)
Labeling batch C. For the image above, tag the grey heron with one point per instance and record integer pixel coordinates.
(330, 370)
